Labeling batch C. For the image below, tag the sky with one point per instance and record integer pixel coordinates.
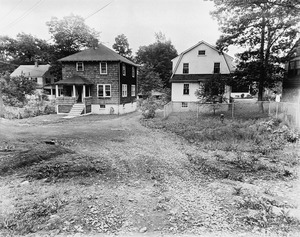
(184, 22)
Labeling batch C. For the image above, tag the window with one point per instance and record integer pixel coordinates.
(124, 90)
(132, 90)
(292, 64)
(102, 106)
(48, 80)
(124, 70)
(104, 90)
(216, 67)
(186, 89)
(185, 68)
(201, 52)
(184, 104)
(103, 68)
(79, 66)
(133, 72)
(297, 64)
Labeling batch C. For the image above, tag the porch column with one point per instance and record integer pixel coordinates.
(74, 91)
(83, 92)
(51, 92)
(56, 90)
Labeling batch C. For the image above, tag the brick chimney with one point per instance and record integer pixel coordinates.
(36, 63)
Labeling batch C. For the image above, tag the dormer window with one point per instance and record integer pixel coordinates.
(79, 67)
(201, 52)
(216, 67)
(185, 69)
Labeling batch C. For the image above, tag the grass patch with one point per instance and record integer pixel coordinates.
(69, 166)
(32, 155)
(246, 146)
(256, 211)
(34, 215)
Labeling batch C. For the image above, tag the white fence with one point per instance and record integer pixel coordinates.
(168, 109)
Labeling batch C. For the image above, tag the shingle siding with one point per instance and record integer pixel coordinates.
(128, 80)
(92, 73)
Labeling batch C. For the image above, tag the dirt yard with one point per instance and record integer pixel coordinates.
(110, 175)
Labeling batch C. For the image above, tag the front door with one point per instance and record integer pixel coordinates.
(78, 94)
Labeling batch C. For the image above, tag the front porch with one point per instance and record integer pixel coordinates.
(75, 93)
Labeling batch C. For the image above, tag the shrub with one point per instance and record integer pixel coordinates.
(148, 107)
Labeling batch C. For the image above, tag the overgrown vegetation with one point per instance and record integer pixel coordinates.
(245, 151)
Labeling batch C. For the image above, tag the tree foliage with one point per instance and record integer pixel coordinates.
(158, 56)
(212, 90)
(267, 30)
(25, 49)
(15, 89)
(70, 35)
(121, 45)
(148, 80)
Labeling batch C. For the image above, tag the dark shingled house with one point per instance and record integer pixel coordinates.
(97, 80)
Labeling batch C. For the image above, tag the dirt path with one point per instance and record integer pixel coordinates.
(155, 188)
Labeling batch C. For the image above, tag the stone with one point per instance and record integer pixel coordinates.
(295, 213)
(143, 230)
(276, 211)
(25, 183)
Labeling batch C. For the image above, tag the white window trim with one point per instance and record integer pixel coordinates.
(105, 68)
(184, 104)
(188, 68)
(77, 67)
(202, 55)
(188, 89)
(104, 90)
(219, 67)
(133, 94)
(124, 90)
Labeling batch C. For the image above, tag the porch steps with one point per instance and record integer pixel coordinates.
(75, 111)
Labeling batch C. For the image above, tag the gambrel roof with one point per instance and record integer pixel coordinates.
(228, 59)
(100, 53)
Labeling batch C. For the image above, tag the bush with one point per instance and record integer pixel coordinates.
(149, 108)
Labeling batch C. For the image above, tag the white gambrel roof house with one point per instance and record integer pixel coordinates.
(197, 65)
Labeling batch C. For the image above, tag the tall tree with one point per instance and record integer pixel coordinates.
(70, 35)
(121, 45)
(265, 28)
(158, 56)
(148, 80)
(25, 49)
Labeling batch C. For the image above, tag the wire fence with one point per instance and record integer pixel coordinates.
(288, 112)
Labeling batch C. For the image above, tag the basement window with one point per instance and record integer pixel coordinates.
(102, 106)
(184, 104)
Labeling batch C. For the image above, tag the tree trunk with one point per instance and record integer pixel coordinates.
(1, 103)
(262, 63)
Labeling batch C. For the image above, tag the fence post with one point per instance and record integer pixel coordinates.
(197, 111)
(232, 110)
(269, 107)
(276, 116)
